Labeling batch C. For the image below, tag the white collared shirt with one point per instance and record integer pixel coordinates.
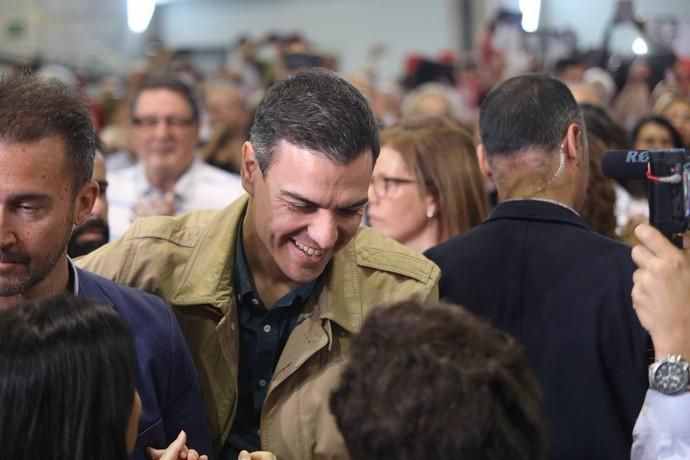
(202, 186)
(662, 430)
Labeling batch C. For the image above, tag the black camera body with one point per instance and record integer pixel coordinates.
(667, 173)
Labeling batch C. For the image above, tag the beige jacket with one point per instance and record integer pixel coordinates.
(188, 262)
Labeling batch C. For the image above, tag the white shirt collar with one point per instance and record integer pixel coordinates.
(74, 277)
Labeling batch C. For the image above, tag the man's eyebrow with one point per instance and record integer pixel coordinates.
(357, 204)
(297, 197)
(30, 197)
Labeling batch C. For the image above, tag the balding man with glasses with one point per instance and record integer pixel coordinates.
(170, 178)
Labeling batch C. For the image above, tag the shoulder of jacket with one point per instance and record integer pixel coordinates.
(376, 251)
(125, 299)
(185, 230)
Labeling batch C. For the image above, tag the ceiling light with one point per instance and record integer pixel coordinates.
(139, 14)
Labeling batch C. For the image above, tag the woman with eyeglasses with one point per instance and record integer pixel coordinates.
(426, 186)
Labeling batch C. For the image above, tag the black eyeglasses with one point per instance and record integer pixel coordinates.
(173, 122)
(385, 185)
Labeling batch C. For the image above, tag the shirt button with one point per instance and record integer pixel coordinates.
(262, 383)
(255, 301)
(267, 328)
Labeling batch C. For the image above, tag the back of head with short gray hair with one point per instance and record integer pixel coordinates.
(315, 110)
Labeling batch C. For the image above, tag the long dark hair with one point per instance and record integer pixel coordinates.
(67, 379)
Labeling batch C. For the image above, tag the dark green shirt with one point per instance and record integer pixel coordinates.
(263, 335)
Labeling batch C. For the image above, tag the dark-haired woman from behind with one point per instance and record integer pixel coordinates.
(67, 384)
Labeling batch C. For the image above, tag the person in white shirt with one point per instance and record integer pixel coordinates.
(661, 297)
(170, 178)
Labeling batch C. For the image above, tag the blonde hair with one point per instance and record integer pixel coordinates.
(411, 102)
(441, 155)
(666, 100)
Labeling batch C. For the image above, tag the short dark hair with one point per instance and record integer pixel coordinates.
(317, 110)
(676, 138)
(32, 109)
(436, 382)
(67, 379)
(172, 83)
(527, 111)
(565, 63)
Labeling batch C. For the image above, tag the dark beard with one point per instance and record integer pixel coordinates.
(77, 248)
(38, 269)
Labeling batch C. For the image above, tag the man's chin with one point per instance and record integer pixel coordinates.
(305, 274)
(14, 287)
(92, 235)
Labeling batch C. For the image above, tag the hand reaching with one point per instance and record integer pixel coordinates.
(661, 291)
(177, 450)
(256, 455)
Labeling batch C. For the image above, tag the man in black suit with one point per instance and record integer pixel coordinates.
(536, 269)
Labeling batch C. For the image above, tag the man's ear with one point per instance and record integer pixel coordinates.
(484, 166)
(250, 169)
(573, 145)
(84, 201)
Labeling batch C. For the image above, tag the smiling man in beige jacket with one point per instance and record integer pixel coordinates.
(269, 290)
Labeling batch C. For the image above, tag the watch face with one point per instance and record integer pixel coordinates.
(671, 377)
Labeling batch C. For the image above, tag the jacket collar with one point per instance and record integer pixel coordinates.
(87, 285)
(340, 299)
(538, 211)
(207, 277)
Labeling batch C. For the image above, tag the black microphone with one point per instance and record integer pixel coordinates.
(625, 164)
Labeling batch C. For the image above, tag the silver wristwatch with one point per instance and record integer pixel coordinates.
(669, 375)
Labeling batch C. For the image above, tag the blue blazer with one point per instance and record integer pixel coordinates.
(539, 272)
(167, 381)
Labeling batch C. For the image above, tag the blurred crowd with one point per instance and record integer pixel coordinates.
(414, 196)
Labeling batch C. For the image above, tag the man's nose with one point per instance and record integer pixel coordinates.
(324, 230)
(7, 234)
(162, 128)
